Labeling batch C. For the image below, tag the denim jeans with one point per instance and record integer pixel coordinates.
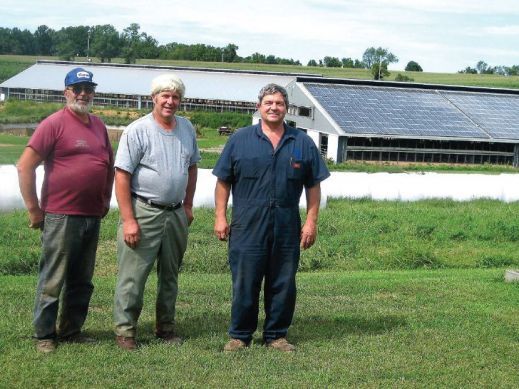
(69, 245)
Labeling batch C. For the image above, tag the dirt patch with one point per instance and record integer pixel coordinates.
(212, 149)
(117, 113)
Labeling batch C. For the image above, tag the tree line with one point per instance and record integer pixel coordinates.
(106, 43)
(374, 59)
(483, 68)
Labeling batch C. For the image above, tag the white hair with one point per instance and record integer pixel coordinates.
(168, 82)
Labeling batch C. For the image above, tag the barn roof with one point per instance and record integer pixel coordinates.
(367, 108)
(211, 84)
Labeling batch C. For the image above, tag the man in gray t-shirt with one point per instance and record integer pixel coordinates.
(155, 181)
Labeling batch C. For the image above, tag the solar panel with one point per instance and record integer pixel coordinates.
(498, 115)
(366, 110)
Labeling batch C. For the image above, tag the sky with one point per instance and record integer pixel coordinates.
(441, 35)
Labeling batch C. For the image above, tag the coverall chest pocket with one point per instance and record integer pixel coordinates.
(295, 169)
(250, 168)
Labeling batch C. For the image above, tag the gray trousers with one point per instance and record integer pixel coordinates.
(163, 238)
(67, 264)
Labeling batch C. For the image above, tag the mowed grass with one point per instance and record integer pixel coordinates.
(353, 235)
(11, 147)
(423, 328)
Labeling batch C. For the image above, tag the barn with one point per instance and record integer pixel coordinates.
(349, 120)
(360, 120)
(128, 86)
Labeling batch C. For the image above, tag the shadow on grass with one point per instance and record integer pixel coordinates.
(318, 327)
(303, 328)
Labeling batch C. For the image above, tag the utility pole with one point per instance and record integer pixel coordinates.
(88, 44)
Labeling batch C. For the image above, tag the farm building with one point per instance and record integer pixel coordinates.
(128, 86)
(348, 119)
(407, 122)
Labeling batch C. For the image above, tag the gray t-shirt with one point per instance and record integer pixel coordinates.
(158, 160)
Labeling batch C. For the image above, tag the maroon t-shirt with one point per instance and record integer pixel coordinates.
(78, 163)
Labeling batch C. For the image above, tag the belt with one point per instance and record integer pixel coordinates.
(168, 207)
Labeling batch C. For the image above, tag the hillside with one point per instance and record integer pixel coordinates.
(13, 64)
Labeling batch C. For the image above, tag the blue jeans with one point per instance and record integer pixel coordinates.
(69, 245)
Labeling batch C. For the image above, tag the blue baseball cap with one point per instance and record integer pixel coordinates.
(79, 75)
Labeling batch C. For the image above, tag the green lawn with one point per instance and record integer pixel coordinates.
(353, 235)
(443, 328)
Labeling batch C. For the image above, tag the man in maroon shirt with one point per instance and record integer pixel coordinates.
(76, 191)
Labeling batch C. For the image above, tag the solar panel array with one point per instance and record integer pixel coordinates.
(383, 111)
(498, 115)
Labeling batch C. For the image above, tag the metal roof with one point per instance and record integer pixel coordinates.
(136, 80)
(410, 111)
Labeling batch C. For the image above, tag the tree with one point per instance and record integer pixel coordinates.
(44, 40)
(130, 38)
(469, 70)
(5, 40)
(401, 77)
(230, 53)
(256, 58)
(332, 62)
(71, 41)
(137, 45)
(22, 42)
(312, 62)
(481, 67)
(413, 66)
(271, 59)
(369, 57)
(379, 70)
(359, 64)
(106, 42)
(512, 70)
(379, 59)
(347, 63)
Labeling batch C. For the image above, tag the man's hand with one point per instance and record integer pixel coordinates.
(189, 214)
(308, 235)
(221, 228)
(36, 217)
(131, 233)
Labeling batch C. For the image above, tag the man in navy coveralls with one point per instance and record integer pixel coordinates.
(266, 166)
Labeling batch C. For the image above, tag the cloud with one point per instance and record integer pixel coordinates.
(502, 30)
(432, 30)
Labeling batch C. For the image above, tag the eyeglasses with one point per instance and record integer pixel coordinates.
(77, 89)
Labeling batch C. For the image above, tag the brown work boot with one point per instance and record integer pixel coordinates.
(282, 344)
(128, 344)
(46, 346)
(234, 345)
(169, 337)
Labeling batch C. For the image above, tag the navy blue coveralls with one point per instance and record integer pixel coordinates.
(265, 229)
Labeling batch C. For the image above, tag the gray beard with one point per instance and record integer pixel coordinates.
(80, 108)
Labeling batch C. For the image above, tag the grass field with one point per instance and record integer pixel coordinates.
(392, 295)
(405, 329)
(13, 64)
(353, 235)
